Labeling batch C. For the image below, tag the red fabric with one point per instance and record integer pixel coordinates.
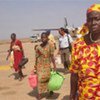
(17, 54)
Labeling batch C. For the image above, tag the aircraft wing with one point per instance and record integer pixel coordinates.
(52, 29)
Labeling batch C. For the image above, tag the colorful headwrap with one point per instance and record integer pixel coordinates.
(83, 30)
(94, 7)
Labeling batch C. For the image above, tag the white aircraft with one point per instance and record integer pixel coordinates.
(53, 29)
(36, 37)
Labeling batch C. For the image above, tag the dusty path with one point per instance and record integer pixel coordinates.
(13, 89)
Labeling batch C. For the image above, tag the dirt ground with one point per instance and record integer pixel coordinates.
(13, 89)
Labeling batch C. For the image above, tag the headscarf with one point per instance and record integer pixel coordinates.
(84, 29)
(94, 7)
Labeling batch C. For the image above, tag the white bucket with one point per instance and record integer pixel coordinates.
(58, 59)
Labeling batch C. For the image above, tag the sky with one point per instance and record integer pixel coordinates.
(21, 16)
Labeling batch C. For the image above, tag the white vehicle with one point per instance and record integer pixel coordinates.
(35, 38)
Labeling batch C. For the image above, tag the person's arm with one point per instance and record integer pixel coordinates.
(59, 48)
(70, 38)
(21, 48)
(37, 55)
(52, 55)
(35, 65)
(74, 85)
(53, 61)
(9, 52)
(74, 69)
(55, 46)
(23, 52)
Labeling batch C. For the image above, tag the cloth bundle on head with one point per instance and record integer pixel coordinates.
(94, 7)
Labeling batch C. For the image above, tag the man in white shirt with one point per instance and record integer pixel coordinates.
(64, 46)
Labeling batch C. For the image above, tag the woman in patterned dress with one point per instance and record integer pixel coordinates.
(85, 65)
(44, 57)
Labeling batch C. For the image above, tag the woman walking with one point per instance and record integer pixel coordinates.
(18, 54)
(44, 57)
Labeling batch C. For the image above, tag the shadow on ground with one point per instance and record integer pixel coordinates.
(34, 92)
(16, 76)
(65, 97)
(4, 88)
(53, 97)
(62, 70)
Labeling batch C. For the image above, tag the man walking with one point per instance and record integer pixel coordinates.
(64, 46)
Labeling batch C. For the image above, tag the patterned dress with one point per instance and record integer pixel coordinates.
(43, 66)
(86, 62)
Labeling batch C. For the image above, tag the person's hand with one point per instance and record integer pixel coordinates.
(34, 70)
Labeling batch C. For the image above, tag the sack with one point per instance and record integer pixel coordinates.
(33, 80)
(23, 62)
(56, 81)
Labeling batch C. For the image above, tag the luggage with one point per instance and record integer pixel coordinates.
(33, 80)
(56, 81)
(23, 62)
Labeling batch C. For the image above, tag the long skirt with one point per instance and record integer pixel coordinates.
(43, 79)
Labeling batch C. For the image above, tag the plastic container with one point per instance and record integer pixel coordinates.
(33, 80)
(56, 81)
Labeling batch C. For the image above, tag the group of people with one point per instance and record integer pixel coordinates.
(85, 58)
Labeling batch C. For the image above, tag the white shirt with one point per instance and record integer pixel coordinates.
(63, 41)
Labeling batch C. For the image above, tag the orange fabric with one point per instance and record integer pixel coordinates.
(86, 62)
(84, 29)
(94, 7)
